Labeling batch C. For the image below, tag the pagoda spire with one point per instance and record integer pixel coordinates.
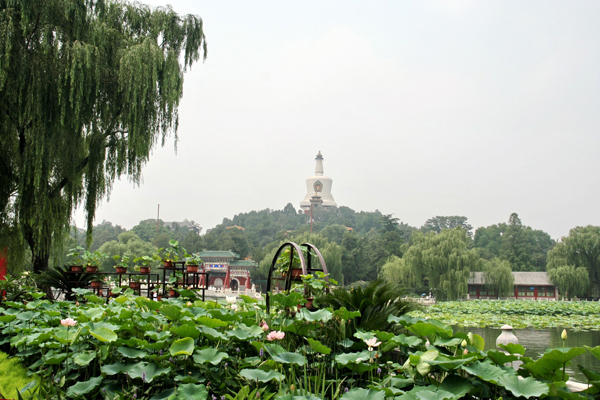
(319, 166)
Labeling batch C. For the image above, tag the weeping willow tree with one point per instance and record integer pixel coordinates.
(498, 277)
(445, 259)
(87, 89)
(574, 263)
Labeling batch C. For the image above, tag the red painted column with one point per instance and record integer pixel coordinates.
(3, 264)
(227, 278)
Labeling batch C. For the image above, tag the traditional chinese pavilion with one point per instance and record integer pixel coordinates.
(227, 270)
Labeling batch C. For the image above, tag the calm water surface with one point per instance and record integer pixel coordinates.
(536, 341)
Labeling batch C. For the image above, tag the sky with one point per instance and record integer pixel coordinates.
(420, 109)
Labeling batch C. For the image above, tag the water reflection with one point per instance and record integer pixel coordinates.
(536, 341)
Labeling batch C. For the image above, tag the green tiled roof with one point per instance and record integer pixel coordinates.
(217, 254)
(243, 263)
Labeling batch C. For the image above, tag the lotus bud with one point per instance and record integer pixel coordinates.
(464, 343)
(189, 303)
(465, 351)
(563, 335)
(470, 336)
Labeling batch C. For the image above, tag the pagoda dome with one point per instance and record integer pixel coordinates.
(318, 188)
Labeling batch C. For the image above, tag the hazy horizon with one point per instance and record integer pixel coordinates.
(478, 109)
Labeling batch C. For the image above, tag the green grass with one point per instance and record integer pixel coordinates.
(13, 376)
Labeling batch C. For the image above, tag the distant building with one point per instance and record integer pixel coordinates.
(527, 286)
(318, 188)
(191, 225)
(227, 270)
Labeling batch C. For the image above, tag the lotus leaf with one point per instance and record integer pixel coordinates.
(363, 394)
(456, 385)
(116, 368)
(409, 341)
(55, 358)
(501, 358)
(261, 376)
(170, 311)
(525, 387)
(151, 371)
(83, 359)
(81, 388)
(210, 355)
(322, 315)
(318, 346)
(485, 371)
(104, 334)
(289, 358)
(212, 333)
(131, 353)
(190, 391)
(211, 322)
(248, 300)
(513, 348)
(182, 347)
(563, 355)
(186, 331)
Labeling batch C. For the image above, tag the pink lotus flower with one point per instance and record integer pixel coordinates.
(372, 343)
(275, 335)
(68, 322)
(265, 327)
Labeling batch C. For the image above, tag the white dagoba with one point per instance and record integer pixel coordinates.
(318, 187)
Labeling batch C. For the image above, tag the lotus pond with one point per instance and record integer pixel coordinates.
(520, 314)
(184, 348)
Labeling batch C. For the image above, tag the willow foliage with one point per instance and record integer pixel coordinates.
(87, 89)
(444, 259)
(574, 263)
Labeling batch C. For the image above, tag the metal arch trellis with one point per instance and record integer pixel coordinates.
(305, 266)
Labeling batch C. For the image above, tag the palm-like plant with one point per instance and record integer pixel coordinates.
(376, 301)
(60, 278)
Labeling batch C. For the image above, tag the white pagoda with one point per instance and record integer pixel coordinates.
(318, 188)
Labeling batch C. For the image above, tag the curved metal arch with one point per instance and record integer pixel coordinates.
(306, 267)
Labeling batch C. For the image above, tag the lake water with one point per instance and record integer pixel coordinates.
(536, 341)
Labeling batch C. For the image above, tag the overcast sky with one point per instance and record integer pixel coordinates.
(474, 108)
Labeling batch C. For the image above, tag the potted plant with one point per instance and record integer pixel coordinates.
(315, 285)
(145, 261)
(169, 255)
(97, 283)
(172, 291)
(283, 264)
(135, 282)
(122, 262)
(92, 260)
(192, 261)
(76, 258)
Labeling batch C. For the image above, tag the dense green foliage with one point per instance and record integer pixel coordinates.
(375, 302)
(445, 260)
(498, 278)
(87, 89)
(523, 247)
(517, 313)
(137, 348)
(13, 376)
(580, 249)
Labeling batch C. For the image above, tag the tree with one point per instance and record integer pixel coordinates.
(489, 240)
(445, 260)
(438, 224)
(396, 271)
(515, 246)
(580, 249)
(87, 89)
(497, 277)
(127, 242)
(569, 280)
